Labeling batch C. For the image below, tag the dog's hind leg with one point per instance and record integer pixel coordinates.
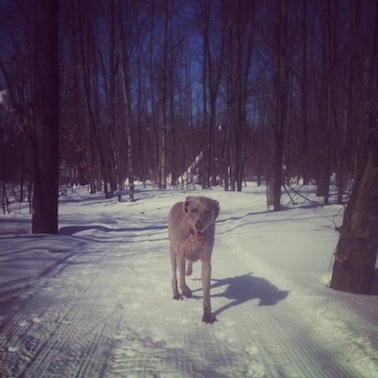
(189, 268)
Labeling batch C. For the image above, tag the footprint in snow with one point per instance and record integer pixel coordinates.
(254, 368)
(252, 350)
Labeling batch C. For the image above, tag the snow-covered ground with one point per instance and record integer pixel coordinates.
(95, 300)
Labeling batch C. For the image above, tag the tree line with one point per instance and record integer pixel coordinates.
(264, 90)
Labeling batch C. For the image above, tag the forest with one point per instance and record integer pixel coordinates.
(239, 90)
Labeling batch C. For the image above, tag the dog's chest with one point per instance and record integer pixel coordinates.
(193, 250)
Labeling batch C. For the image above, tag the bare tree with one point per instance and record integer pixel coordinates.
(89, 77)
(163, 95)
(356, 251)
(16, 75)
(213, 39)
(305, 95)
(325, 104)
(126, 91)
(281, 95)
(46, 117)
(239, 19)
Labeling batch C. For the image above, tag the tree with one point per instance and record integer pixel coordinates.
(162, 163)
(326, 102)
(46, 117)
(213, 46)
(356, 251)
(96, 136)
(126, 91)
(239, 22)
(304, 95)
(280, 93)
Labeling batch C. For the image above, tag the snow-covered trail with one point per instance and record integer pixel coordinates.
(106, 309)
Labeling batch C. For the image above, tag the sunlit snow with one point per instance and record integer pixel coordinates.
(95, 300)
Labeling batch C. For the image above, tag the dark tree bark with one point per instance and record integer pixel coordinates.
(46, 117)
(126, 91)
(239, 25)
(356, 252)
(304, 97)
(280, 89)
(325, 104)
(205, 177)
(212, 72)
(162, 175)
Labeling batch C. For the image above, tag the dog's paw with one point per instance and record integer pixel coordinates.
(209, 318)
(187, 292)
(177, 296)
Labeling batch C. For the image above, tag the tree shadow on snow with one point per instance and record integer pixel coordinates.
(245, 288)
(72, 230)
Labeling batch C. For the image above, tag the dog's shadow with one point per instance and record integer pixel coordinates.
(245, 288)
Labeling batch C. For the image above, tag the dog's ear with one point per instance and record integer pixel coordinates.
(186, 204)
(217, 208)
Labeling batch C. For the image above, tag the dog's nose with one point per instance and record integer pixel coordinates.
(199, 225)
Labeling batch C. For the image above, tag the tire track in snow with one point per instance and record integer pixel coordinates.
(280, 342)
(160, 337)
(110, 314)
(56, 339)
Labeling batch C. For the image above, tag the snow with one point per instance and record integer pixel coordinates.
(95, 300)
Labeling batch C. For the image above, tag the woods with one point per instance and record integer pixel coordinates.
(237, 90)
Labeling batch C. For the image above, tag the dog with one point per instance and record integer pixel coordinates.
(191, 229)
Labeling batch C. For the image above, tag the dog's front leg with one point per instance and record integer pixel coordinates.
(176, 294)
(208, 316)
(181, 265)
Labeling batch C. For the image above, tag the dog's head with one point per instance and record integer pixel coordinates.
(201, 212)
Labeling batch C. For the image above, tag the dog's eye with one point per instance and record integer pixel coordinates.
(207, 211)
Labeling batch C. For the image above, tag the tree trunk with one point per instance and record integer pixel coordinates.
(356, 252)
(98, 167)
(162, 176)
(46, 119)
(127, 102)
(126, 92)
(304, 97)
(205, 176)
(325, 105)
(280, 88)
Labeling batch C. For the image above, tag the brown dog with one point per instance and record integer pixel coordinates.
(191, 228)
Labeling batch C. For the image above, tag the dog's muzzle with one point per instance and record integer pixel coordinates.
(198, 232)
